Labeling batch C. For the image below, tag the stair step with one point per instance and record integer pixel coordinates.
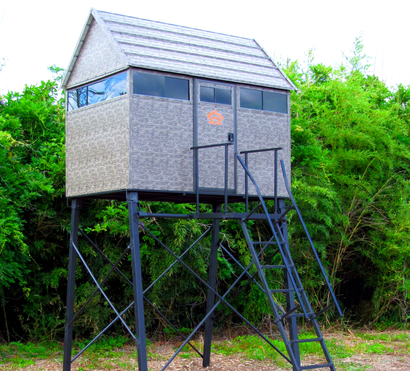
(305, 340)
(312, 367)
(261, 248)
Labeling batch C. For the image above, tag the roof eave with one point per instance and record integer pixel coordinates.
(280, 69)
(77, 50)
(210, 77)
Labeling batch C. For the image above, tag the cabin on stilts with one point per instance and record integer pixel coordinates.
(160, 112)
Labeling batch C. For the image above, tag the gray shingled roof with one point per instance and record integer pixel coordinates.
(166, 47)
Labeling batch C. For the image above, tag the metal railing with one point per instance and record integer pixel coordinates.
(275, 170)
(196, 149)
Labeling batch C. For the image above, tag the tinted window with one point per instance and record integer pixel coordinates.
(72, 100)
(215, 95)
(223, 96)
(82, 96)
(99, 91)
(160, 86)
(251, 98)
(116, 86)
(207, 94)
(96, 92)
(275, 102)
(176, 88)
(149, 84)
(264, 100)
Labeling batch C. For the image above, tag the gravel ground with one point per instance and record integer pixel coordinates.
(397, 359)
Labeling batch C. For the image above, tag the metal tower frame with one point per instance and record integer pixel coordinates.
(297, 303)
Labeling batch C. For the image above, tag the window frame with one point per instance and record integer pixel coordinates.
(263, 99)
(80, 90)
(215, 89)
(164, 88)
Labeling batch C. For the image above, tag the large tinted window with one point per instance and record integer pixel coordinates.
(149, 84)
(176, 88)
(160, 86)
(264, 100)
(99, 91)
(251, 98)
(275, 102)
(215, 95)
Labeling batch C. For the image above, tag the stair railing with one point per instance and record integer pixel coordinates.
(262, 203)
(311, 243)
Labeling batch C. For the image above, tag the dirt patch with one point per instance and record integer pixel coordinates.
(389, 351)
(380, 362)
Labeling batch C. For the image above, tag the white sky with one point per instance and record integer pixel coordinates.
(38, 34)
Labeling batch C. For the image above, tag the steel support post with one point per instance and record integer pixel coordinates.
(76, 205)
(290, 296)
(210, 300)
(132, 200)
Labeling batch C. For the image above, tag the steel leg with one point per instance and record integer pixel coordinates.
(290, 296)
(132, 199)
(210, 300)
(72, 262)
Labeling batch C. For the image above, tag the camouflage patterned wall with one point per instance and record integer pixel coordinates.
(97, 147)
(263, 129)
(143, 142)
(161, 135)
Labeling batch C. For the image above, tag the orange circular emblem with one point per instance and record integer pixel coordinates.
(215, 118)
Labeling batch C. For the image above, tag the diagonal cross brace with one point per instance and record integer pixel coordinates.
(115, 266)
(102, 291)
(221, 299)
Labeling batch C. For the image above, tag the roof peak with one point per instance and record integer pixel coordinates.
(173, 24)
(184, 50)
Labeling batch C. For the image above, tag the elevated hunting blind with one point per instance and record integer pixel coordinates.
(140, 94)
(160, 112)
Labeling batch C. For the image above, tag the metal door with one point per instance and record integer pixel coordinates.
(214, 122)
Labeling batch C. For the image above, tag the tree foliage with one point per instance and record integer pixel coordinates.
(350, 173)
(350, 177)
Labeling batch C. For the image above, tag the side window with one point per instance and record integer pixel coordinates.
(160, 86)
(264, 100)
(251, 98)
(99, 91)
(275, 102)
(215, 95)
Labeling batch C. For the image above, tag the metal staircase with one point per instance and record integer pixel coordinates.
(268, 257)
(263, 254)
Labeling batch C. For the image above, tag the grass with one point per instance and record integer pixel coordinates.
(19, 354)
(108, 352)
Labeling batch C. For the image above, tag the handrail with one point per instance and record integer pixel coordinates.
(310, 240)
(196, 148)
(285, 260)
(262, 150)
(275, 170)
(212, 145)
